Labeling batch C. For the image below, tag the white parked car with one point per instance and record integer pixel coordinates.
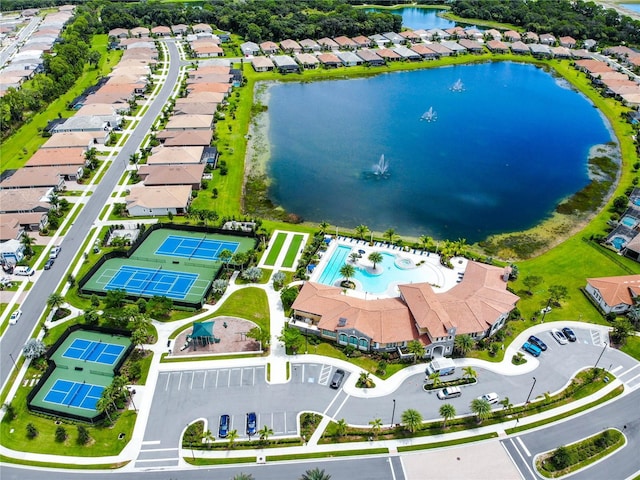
(15, 316)
(492, 397)
(55, 251)
(558, 336)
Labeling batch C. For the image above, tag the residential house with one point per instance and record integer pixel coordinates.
(190, 122)
(492, 34)
(530, 37)
(520, 48)
(394, 38)
(455, 47)
(307, 60)
(262, 64)
(202, 97)
(210, 78)
(250, 49)
(568, 42)
(345, 43)
(361, 41)
(380, 40)
(438, 34)
(224, 88)
(285, 64)
(11, 251)
(189, 138)
(35, 177)
(202, 28)
(474, 34)
(547, 39)
(158, 201)
(83, 124)
(25, 200)
(173, 155)
(140, 32)
(161, 31)
(497, 46)
(388, 55)
(328, 44)
(269, 48)
(511, 36)
(410, 36)
(290, 46)
(614, 294)
(26, 222)
(349, 59)
(329, 60)
(472, 46)
(203, 50)
(118, 33)
(183, 174)
(456, 32)
(407, 53)
(85, 140)
(195, 108)
(370, 57)
(180, 29)
(309, 45)
(560, 52)
(540, 50)
(10, 228)
(440, 49)
(425, 51)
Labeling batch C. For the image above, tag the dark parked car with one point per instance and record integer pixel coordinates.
(569, 334)
(251, 423)
(539, 343)
(337, 378)
(223, 429)
(49, 264)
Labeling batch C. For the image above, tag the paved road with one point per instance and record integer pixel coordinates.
(622, 414)
(370, 468)
(34, 304)
(25, 33)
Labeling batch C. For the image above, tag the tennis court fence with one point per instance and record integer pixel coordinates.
(104, 374)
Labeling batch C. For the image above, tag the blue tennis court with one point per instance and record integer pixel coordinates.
(90, 351)
(189, 247)
(150, 282)
(74, 394)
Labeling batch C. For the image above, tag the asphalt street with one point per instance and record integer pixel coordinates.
(34, 304)
(23, 36)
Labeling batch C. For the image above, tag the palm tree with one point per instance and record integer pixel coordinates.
(26, 242)
(459, 246)
(375, 258)
(412, 419)
(435, 379)
(447, 412)
(341, 427)
(365, 380)
(361, 231)
(209, 437)
(347, 271)
(232, 437)
(225, 257)
(376, 425)
(55, 300)
(103, 405)
(354, 256)
(324, 226)
(390, 234)
(481, 408)
(426, 241)
(506, 403)
(463, 343)
(470, 372)
(416, 348)
(315, 474)
(265, 432)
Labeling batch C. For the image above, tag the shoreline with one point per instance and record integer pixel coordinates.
(258, 150)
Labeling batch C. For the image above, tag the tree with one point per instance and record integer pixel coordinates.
(115, 298)
(219, 286)
(412, 420)
(463, 344)
(232, 437)
(225, 257)
(209, 438)
(375, 258)
(390, 234)
(265, 432)
(364, 381)
(32, 431)
(260, 335)
(27, 242)
(506, 403)
(291, 338)
(252, 274)
(376, 425)
(447, 412)
(91, 317)
(622, 328)
(435, 379)
(531, 282)
(55, 300)
(416, 349)
(341, 427)
(324, 226)
(347, 271)
(139, 337)
(9, 411)
(33, 349)
(159, 307)
(104, 405)
(288, 295)
(561, 458)
(61, 434)
(469, 372)
(481, 408)
(361, 231)
(278, 280)
(83, 435)
(426, 241)
(558, 293)
(354, 256)
(315, 474)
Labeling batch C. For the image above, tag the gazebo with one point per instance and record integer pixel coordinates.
(203, 334)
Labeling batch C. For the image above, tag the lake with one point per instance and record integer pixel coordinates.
(417, 18)
(631, 6)
(499, 156)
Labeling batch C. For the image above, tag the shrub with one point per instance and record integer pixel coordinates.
(32, 431)
(61, 434)
(83, 435)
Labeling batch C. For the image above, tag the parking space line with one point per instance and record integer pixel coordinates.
(204, 380)
(151, 442)
(180, 381)
(166, 387)
(619, 367)
(632, 379)
(625, 372)
(524, 448)
(192, 379)
(253, 381)
(241, 376)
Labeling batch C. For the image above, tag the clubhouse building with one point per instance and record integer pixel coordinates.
(477, 306)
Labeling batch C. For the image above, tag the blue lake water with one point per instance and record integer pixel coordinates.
(631, 6)
(500, 156)
(417, 18)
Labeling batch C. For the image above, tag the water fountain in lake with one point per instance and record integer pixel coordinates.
(430, 115)
(381, 169)
(458, 86)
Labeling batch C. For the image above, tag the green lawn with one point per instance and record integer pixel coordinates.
(249, 303)
(276, 246)
(632, 347)
(18, 148)
(294, 248)
(364, 362)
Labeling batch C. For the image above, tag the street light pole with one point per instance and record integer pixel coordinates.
(393, 412)
(14, 362)
(531, 391)
(546, 309)
(601, 353)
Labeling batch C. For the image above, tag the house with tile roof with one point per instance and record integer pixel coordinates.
(477, 306)
(158, 201)
(614, 294)
(184, 174)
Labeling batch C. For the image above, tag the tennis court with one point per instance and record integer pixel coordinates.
(74, 394)
(90, 351)
(150, 282)
(201, 248)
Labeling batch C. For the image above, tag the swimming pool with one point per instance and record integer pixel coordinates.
(628, 221)
(390, 274)
(618, 242)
